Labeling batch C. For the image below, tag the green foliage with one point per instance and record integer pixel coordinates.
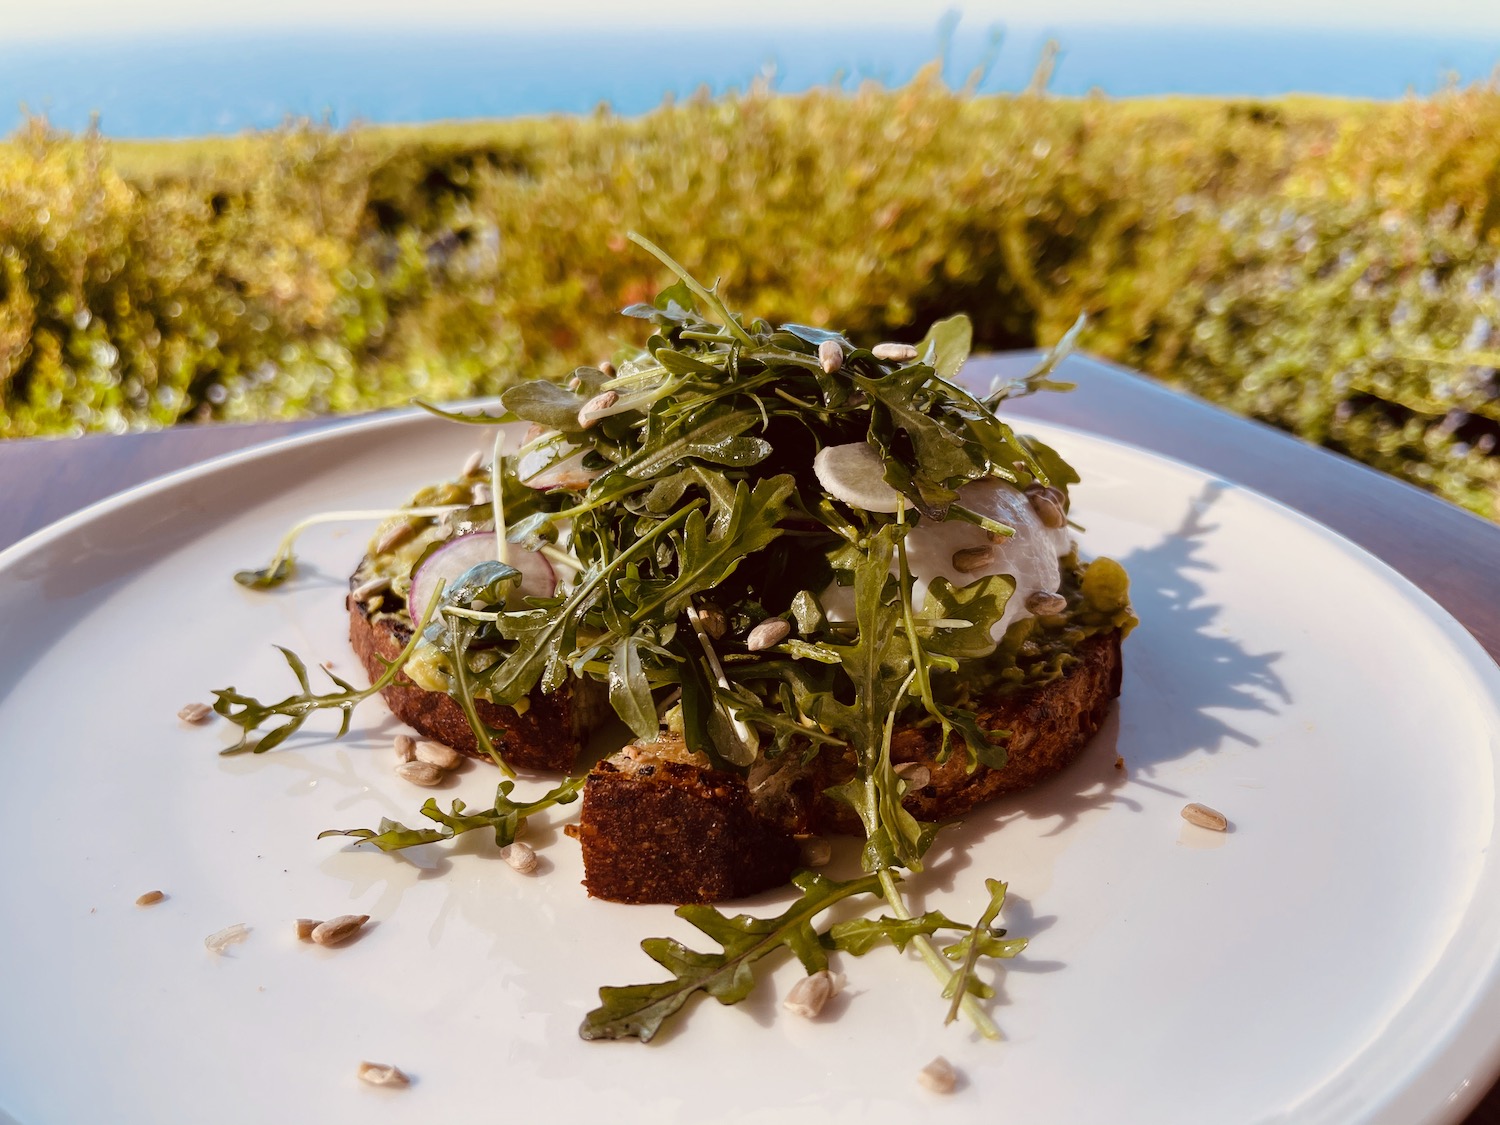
(1328, 267)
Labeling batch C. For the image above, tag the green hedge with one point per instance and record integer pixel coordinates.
(1330, 267)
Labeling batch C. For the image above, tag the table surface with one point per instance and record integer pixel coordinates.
(1452, 555)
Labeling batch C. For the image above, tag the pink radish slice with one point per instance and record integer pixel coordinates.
(448, 563)
(568, 472)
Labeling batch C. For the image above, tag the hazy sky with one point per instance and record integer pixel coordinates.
(21, 19)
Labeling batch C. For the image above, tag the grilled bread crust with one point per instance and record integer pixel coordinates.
(1049, 726)
(545, 735)
(679, 833)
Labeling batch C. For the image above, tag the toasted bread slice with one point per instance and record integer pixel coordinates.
(544, 735)
(660, 825)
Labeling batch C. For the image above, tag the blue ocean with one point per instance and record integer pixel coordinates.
(228, 82)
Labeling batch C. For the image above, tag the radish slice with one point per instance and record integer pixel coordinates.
(539, 470)
(452, 559)
(853, 473)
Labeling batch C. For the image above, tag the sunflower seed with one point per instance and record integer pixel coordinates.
(894, 353)
(306, 926)
(335, 930)
(816, 851)
(1205, 817)
(597, 407)
(382, 1074)
(229, 935)
(809, 995)
(393, 536)
(971, 560)
(915, 774)
(195, 713)
(406, 747)
(436, 754)
(938, 1076)
(368, 589)
(1045, 604)
(606, 369)
(150, 898)
(421, 773)
(830, 355)
(1048, 510)
(520, 856)
(714, 623)
(471, 466)
(533, 431)
(771, 631)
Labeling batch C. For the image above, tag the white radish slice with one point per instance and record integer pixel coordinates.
(448, 563)
(853, 473)
(539, 470)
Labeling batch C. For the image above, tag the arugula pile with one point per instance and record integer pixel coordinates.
(685, 487)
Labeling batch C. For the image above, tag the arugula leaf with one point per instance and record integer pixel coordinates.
(639, 1011)
(250, 714)
(978, 941)
(860, 935)
(629, 693)
(716, 440)
(946, 346)
(981, 603)
(546, 404)
(266, 577)
(506, 817)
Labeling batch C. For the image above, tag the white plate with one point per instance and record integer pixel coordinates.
(1333, 958)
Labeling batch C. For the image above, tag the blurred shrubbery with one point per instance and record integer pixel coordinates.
(1333, 268)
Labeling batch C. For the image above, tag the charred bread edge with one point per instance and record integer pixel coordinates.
(661, 837)
(546, 735)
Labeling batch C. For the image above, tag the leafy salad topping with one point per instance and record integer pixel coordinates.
(678, 497)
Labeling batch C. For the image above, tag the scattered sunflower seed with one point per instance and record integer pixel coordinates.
(771, 631)
(1205, 817)
(816, 851)
(471, 466)
(971, 560)
(915, 774)
(938, 1076)
(219, 941)
(436, 754)
(1045, 604)
(406, 747)
(335, 930)
(369, 588)
(382, 1074)
(809, 995)
(596, 408)
(521, 857)
(150, 898)
(830, 355)
(533, 431)
(421, 773)
(607, 369)
(894, 353)
(306, 926)
(195, 713)
(393, 536)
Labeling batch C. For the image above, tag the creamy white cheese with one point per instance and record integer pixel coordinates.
(1030, 556)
